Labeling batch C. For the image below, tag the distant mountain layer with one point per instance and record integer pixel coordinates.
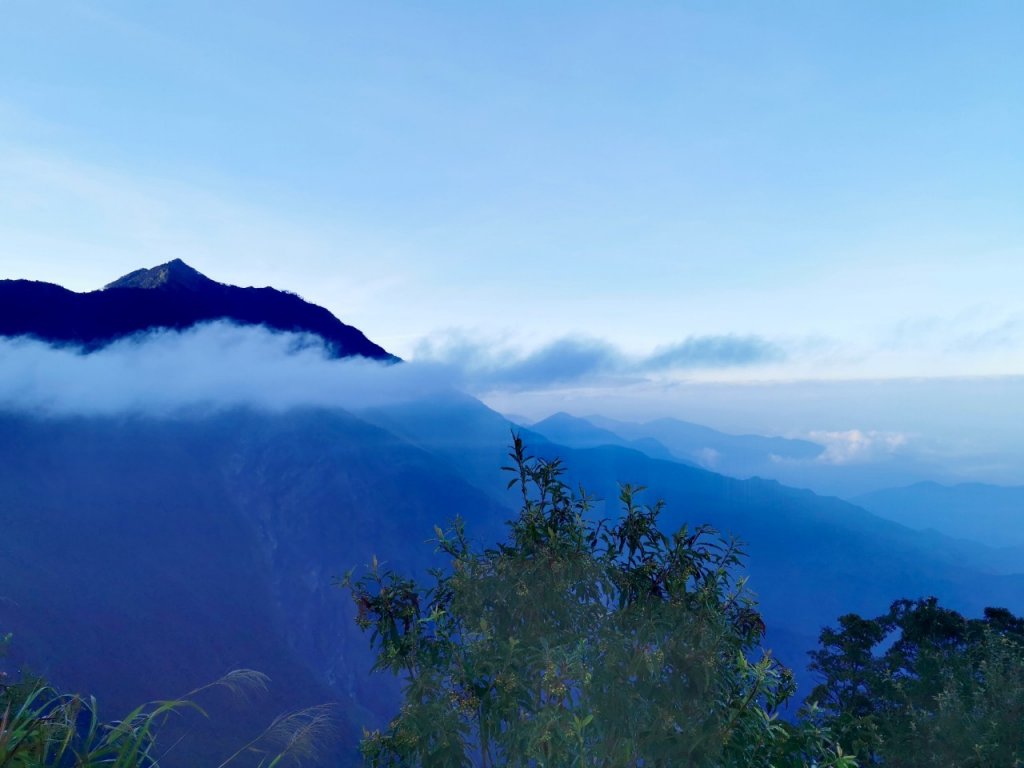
(793, 462)
(813, 557)
(575, 432)
(709, 447)
(173, 296)
(989, 514)
(682, 441)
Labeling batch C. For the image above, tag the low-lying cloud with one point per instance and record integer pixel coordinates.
(215, 364)
(578, 361)
(220, 364)
(856, 446)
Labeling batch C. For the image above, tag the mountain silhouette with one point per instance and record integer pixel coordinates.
(172, 296)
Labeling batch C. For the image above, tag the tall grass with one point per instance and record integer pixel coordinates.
(39, 726)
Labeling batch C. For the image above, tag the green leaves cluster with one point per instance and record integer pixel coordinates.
(581, 643)
(922, 686)
(41, 727)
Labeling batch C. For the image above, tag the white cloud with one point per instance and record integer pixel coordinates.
(212, 365)
(708, 457)
(855, 446)
(488, 367)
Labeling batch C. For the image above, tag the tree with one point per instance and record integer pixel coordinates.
(580, 643)
(923, 686)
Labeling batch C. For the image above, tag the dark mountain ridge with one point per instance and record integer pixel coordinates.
(173, 296)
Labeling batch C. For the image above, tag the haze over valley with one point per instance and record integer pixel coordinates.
(284, 289)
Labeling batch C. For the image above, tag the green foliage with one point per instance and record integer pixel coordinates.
(41, 727)
(580, 643)
(947, 691)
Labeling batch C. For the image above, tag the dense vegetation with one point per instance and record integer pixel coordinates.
(582, 643)
(40, 726)
(610, 643)
(604, 642)
(922, 686)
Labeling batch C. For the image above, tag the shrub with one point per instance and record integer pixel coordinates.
(41, 727)
(580, 643)
(923, 686)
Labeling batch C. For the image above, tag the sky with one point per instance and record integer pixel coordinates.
(621, 197)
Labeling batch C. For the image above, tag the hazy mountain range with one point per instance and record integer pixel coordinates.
(797, 462)
(974, 512)
(988, 514)
(143, 554)
(741, 455)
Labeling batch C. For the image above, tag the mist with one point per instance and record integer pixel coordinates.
(969, 428)
(210, 365)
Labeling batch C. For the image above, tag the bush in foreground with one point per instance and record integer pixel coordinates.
(40, 727)
(922, 686)
(581, 643)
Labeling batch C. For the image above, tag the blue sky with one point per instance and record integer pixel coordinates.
(689, 191)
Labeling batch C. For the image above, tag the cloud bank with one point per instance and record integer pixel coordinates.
(857, 446)
(956, 422)
(212, 365)
(579, 361)
(221, 364)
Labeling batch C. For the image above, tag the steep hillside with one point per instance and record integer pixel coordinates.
(143, 557)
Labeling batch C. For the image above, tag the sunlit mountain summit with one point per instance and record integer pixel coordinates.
(174, 275)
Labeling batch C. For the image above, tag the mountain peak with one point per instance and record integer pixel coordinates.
(172, 296)
(174, 273)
